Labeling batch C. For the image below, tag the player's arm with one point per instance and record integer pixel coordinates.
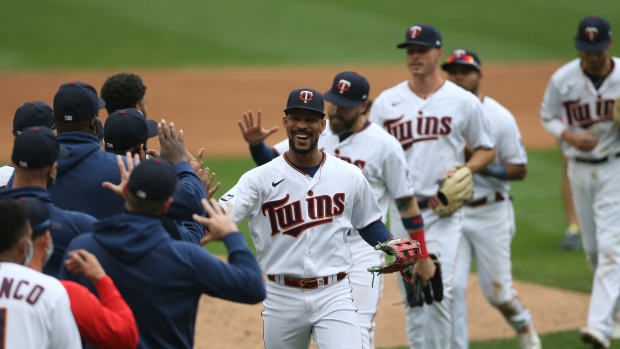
(255, 135)
(478, 134)
(513, 157)
(108, 323)
(239, 280)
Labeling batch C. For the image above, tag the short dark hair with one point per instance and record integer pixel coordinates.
(122, 91)
(14, 223)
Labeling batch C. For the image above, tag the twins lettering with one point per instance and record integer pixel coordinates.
(580, 115)
(428, 128)
(289, 218)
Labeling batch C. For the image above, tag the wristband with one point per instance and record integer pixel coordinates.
(415, 228)
(413, 223)
(496, 171)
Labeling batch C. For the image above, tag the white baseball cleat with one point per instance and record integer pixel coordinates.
(528, 338)
(596, 338)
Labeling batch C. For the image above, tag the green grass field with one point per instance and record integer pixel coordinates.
(70, 34)
(87, 34)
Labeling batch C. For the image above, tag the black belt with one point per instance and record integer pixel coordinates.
(486, 200)
(599, 160)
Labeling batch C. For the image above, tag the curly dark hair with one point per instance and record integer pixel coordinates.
(122, 91)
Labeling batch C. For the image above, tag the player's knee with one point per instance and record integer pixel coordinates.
(498, 295)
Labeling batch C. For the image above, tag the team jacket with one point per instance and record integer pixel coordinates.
(71, 224)
(161, 279)
(106, 324)
(80, 175)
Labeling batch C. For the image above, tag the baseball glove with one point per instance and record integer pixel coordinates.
(417, 294)
(616, 113)
(453, 192)
(406, 253)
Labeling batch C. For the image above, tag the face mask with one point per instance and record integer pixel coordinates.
(48, 254)
(29, 253)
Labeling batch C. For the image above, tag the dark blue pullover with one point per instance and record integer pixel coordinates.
(161, 279)
(71, 224)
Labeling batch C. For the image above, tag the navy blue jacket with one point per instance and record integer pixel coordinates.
(71, 224)
(80, 175)
(161, 279)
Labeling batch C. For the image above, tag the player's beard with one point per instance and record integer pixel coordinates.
(342, 125)
(312, 147)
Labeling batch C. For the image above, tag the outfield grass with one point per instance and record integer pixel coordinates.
(70, 34)
(536, 252)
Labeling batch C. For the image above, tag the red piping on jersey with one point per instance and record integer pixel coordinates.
(297, 168)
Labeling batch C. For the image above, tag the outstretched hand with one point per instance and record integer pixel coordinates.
(196, 162)
(119, 189)
(253, 133)
(207, 181)
(218, 222)
(172, 145)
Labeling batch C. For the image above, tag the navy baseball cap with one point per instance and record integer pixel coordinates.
(463, 57)
(422, 34)
(38, 216)
(127, 128)
(37, 147)
(153, 180)
(35, 113)
(76, 101)
(593, 35)
(348, 90)
(306, 98)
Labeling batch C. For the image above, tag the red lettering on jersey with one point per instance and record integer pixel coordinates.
(288, 216)
(35, 294)
(446, 125)
(433, 126)
(5, 290)
(16, 295)
(579, 114)
(31, 297)
(359, 163)
(403, 131)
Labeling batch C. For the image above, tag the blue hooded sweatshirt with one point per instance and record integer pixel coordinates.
(161, 279)
(71, 224)
(80, 176)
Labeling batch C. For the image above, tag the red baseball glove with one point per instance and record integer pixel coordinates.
(406, 253)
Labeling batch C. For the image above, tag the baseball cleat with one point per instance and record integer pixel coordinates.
(594, 337)
(528, 338)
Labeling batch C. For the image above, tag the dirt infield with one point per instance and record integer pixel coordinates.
(206, 103)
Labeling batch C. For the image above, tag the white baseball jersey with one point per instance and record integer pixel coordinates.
(377, 154)
(433, 131)
(299, 223)
(5, 174)
(34, 310)
(572, 98)
(510, 149)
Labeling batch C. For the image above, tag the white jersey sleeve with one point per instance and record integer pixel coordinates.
(5, 174)
(242, 197)
(365, 207)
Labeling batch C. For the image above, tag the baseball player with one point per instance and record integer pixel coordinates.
(489, 225)
(433, 119)
(34, 308)
(124, 91)
(106, 324)
(300, 206)
(35, 154)
(30, 114)
(352, 138)
(577, 109)
(160, 278)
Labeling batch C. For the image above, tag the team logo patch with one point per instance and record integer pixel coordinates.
(306, 96)
(68, 118)
(415, 31)
(591, 33)
(227, 197)
(344, 85)
(459, 53)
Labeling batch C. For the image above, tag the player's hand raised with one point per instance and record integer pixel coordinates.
(125, 167)
(253, 133)
(207, 181)
(172, 145)
(218, 222)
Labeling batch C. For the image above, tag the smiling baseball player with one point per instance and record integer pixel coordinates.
(433, 119)
(301, 205)
(352, 138)
(489, 223)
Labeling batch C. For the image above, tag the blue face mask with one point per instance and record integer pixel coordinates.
(29, 253)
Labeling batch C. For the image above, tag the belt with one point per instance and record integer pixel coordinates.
(493, 197)
(599, 160)
(309, 283)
